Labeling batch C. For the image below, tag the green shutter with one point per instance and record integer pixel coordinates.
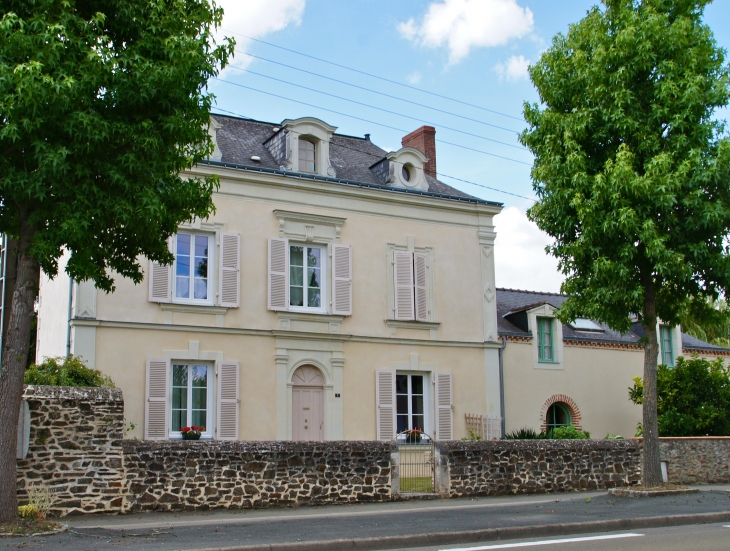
(545, 339)
(665, 334)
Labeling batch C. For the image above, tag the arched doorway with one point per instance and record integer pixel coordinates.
(307, 404)
(560, 410)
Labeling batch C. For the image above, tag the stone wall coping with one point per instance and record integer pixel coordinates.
(562, 444)
(83, 393)
(695, 438)
(240, 446)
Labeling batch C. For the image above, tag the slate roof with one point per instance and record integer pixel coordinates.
(516, 300)
(240, 139)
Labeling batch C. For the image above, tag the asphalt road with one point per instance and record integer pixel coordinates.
(710, 537)
(230, 529)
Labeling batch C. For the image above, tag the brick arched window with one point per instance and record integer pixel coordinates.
(559, 410)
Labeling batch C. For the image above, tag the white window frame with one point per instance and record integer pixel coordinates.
(546, 311)
(324, 256)
(210, 408)
(427, 406)
(212, 268)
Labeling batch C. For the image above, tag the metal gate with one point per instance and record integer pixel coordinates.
(416, 450)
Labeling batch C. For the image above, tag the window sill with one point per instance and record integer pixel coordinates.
(431, 326)
(548, 365)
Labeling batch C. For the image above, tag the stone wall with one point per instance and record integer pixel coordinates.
(187, 475)
(539, 466)
(75, 448)
(704, 460)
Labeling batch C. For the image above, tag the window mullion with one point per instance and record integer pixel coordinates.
(190, 398)
(305, 281)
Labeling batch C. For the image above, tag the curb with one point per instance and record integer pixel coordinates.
(491, 534)
(627, 492)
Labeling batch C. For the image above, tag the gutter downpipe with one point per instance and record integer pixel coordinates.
(68, 325)
(501, 382)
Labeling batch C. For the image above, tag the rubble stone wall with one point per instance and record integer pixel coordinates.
(539, 466)
(703, 460)
(199, 475)
(75, 448)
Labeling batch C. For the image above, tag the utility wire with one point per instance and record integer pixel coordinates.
(374, 91)
(375, 76)
(367, 120)
(379, 108)
(378, 157)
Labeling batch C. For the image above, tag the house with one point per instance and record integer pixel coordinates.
(340, 291)
(559, 374)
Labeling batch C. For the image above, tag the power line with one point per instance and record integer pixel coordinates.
(375, 91)
(379, 108)
(376, 76)
(367, 120)
(378, 156)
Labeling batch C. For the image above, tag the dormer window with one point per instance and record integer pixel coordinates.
(307, 155)
(407, 173)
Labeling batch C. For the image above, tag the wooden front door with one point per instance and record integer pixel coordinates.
(307, 404)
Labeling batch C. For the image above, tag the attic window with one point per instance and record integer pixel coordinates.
(584, 324)
(407, 173)
(307, 150)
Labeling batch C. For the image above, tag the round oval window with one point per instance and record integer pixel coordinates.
(406, 173)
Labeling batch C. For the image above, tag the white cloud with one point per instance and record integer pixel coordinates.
(463, 24)
(257, 18)
(414, 77)
(514, 69)
(519, 254)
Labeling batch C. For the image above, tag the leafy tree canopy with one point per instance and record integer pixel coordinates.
(102, 105)
(631, 170)
(713, 327)
(693, 398)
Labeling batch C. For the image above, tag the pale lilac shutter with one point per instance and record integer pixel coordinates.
(403, 276)
(278, 273)
(444, 410)
(157, 407)
(161, 280)
(228, 399)
(342, 280)
(230, 270)
(385, 404)
(420, 272)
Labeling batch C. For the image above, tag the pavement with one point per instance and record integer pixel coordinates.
(428, 524)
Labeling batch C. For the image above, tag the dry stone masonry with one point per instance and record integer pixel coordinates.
(703, 460)
(539, 466)
(180, 475)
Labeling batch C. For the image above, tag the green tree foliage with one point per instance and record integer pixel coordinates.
(65, 371)
(102, 105)
(693, 397)
(713, 328)
(631, 170)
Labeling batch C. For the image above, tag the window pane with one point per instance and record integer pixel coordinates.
(314, 257)
(296, 276)
(417, 405)
(401, 384)
(314, 277)
(417, 384)
(296, 296)
(401, 402)
(182, 266)
(313, 298)
(183, 244)
(200, 398)
(296, 256)
(200, 376)
(402, 423)
(418, 422)
(201, 267)
(180, 375)
(179, 419)
(199, 418)
(180, 398)
(201, 288)
(182, 287)
(201, 246)
(306, 155)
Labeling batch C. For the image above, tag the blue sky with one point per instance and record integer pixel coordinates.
(474, 51)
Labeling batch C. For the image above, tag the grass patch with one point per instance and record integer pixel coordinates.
(27, 527)
(420, 484)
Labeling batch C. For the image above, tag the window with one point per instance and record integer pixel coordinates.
(545, 340)
(193, 258)
(191, 397)
(410, 402)
(665, 336)
(306, 267)
(412, 297)
(584, 324)
(558, 415)
(307, 151)
(406, 173)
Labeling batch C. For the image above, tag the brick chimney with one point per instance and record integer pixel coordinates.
(424, 139)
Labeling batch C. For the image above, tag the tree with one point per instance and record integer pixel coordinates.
(713, 328)
(693, 398)
(102, 105)
(632, 173)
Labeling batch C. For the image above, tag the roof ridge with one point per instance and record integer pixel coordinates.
(531, 292)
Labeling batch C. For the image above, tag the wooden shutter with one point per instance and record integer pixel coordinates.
(157, 407)
(385, 404)
(342, 280)
(161, 280)
(444, 412)
(229, 292)
(420, 276)
(278, 273)
(403, 275)
(228, 399)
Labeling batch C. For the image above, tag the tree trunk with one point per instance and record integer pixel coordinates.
(14, 358)
(651, 467)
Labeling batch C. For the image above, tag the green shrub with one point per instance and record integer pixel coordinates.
(568, 433)
(693, 397)
(525, 433)
(65, 371)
